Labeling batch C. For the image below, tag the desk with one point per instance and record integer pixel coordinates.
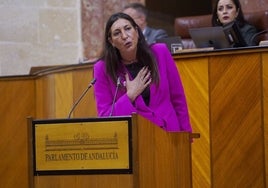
(227, 94)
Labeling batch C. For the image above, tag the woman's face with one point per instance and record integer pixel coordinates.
(226, 11)
(124, 37)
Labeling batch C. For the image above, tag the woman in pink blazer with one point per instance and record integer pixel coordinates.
(132, 77)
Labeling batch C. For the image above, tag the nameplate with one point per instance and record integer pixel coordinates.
(89, 146)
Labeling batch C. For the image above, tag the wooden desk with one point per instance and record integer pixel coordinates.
(227, 94)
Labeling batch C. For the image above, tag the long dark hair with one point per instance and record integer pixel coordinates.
(112, 57)
(239, 19)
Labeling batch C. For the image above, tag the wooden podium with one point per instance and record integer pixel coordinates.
(157, 158)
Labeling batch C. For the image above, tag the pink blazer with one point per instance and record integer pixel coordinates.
(167, 108)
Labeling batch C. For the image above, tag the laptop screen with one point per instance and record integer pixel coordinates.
(209, 37)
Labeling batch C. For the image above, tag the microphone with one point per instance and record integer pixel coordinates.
(253, 38)
(83, 94)
(115, 95)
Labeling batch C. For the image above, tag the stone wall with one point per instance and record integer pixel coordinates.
(38, 33)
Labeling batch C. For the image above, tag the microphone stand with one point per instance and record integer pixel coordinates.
(77, 102)
(116, 90)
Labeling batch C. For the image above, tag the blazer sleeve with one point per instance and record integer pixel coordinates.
(176, 91)
(248, 31)
(160, 33)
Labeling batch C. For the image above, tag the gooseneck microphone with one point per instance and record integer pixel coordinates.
(115, 95)
(253, 38)
(83, 94)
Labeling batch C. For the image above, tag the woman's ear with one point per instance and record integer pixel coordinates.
(137, 30)
(111, 42)
(143, 18)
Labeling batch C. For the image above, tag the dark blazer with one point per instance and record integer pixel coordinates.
(248, 31)
(151, 34)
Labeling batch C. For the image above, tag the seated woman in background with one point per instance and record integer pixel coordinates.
(227, 11)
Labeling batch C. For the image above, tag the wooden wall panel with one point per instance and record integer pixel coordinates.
(236, 121)
(237, 124)
(54, 95)
(17, 103)
(265, 108)
(194, 75)
(87, 106)
(84, 181)
(161, 159)
(58, 92)
(45, 97)
(63, 94)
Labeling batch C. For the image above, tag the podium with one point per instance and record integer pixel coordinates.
(114, 152)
